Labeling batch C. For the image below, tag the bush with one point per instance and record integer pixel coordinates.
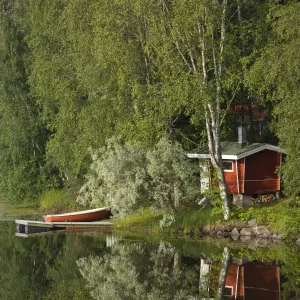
(118, 178)
(125, 177)
(172, 174)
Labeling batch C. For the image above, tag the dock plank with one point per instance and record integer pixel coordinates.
(64, 224)
(30, 226)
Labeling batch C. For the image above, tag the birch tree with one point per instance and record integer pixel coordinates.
(203, 56)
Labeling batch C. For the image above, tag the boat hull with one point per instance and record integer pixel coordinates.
(81, 216)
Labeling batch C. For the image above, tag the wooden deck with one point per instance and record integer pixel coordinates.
(29, 227)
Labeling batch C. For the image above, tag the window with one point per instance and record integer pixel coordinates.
(228, 165)
(228, 292)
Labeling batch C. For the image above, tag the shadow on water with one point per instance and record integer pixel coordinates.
(109, 265)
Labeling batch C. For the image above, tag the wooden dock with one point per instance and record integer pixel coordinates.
(30, 227)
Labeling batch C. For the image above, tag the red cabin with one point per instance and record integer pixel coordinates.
(250, 169)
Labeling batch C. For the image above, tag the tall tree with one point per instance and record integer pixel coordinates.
(23, 137)
(53, 83)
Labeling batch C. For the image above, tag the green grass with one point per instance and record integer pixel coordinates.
(187, 220)
(194, 219)
(282, 217)
(58, 201)
(17, 208)
(142, 220)
(275, 214)
(9, 211)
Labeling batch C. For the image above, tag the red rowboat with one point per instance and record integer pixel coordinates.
(80, 216)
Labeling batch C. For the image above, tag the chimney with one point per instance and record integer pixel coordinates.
(242, 142)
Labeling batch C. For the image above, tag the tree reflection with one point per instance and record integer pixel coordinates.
(84, 266)
(136, 271)
(223, 273)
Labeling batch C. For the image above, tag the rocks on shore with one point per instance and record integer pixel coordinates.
(259, 235)
(248, 232)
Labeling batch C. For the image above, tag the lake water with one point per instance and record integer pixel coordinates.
(108, 265)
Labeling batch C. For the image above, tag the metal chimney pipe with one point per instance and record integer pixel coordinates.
(242, 141)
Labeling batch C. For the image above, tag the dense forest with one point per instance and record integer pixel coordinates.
(90, 88)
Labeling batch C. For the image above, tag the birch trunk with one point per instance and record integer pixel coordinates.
(205, 268)
(212, 108)
(216, 160)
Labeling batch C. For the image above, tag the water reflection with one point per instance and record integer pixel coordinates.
(100, 265)
(137, 271)
(253, 281)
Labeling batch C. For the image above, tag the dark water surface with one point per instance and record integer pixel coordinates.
(104, 265)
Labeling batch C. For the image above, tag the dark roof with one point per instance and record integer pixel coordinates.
(231, 148)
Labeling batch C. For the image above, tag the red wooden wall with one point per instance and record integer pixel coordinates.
(254, 281)
(235, 179)
(260, 172)
(254, 174)
(231, 180)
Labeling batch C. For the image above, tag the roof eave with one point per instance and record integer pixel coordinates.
(236, 157)
(258, 149)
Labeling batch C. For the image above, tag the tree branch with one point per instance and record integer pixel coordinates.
(181, 54)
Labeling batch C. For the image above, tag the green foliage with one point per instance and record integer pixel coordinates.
(57, 201)
(20, 140)
(217, 206)
(24, 172)
(275, 76)
(118, 179)
(124, 177)
(140, 70)
(172, 174)
(282, 216)
(167, 220)
(292, 219)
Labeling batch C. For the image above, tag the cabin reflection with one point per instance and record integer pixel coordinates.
(252, 281)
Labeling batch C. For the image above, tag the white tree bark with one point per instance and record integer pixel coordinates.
(205, 268)
(212, 109)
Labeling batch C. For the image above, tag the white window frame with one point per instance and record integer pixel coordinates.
(228, 161)
(231, 293)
